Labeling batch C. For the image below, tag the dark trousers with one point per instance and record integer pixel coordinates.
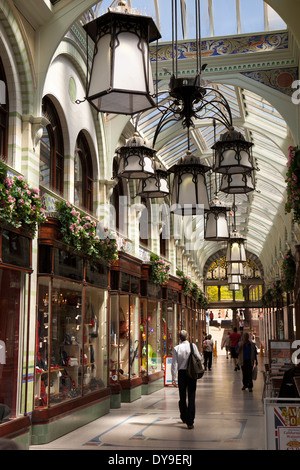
(186, 384)
(207, 359)
(247, 374)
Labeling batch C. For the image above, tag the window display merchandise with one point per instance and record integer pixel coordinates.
(71, 342)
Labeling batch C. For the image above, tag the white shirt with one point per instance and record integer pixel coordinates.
(181, 354)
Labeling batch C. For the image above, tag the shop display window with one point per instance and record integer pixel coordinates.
(171, 328)
(151, 336)
(169, 325)
(125, 349)
(71, 350)
(15, 249)
(13, 317)
(114, 338)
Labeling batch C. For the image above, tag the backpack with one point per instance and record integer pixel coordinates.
(195, 368)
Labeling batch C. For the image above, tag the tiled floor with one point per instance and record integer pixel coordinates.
(227, 418)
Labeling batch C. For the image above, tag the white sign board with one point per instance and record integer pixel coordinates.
(282, 423)
(168, 375)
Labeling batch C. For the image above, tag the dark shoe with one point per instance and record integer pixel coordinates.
(244, 388)
(250, 389)
(190, 426)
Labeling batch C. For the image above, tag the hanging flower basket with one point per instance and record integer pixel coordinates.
(187, 285)
(84, 235)
(160, 270)
(288, 272)
(267, 298)
(276, 290)
(20, 205)
(293, 183)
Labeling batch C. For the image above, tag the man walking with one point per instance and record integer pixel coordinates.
(247, 356)
(181, 354)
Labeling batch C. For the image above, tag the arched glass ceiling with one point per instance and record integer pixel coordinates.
(218, 17)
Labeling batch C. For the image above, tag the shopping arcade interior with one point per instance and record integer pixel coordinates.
(263, 240)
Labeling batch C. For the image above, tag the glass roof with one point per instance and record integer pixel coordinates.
(218, 17)
(255, 117)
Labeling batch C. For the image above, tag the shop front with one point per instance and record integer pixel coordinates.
(151, 327)
(15, 280)
(71, 366)
(125, 344)
(170, 308)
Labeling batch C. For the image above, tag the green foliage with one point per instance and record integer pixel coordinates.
(85, 235)
(160, 270)
(20, 205)
(293, 183)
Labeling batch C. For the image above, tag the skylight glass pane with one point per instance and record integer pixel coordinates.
(252, 16)
(224, 17)
(275, 21)
(205, 20)
(165, 13)
(144, 8)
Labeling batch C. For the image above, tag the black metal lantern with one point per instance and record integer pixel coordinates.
(236, 252)
(121, 76)
(135, 159)
(216, 228)
(232, 153)
(156, 186)
(189, 190)
(239, 183)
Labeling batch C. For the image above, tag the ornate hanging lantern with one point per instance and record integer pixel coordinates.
(121, 76)
(216, 228)
(236, 252)
(156, 186)
(232, 153)
(189, 190)
(135, 159)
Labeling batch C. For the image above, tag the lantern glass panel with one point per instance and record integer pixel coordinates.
(235, 268)
(234, 279)
(233, 286)
(239, 183)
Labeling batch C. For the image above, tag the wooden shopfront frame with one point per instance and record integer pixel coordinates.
(16, 256)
